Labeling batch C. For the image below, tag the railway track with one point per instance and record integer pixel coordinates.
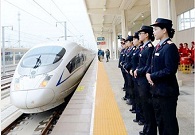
(6, 81)
(5, 86)
(7, 76)
(38, 123)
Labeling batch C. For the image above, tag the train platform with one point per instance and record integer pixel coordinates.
(97, 107)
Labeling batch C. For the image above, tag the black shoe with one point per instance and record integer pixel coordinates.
(135, 120)
(133, 111)
(123, 89)
(124, 98)
(141, 133)
(140, 123)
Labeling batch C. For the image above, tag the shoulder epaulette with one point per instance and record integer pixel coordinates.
(149, 45)
(169, 42)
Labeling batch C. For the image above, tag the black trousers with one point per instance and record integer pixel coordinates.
(138, 108)
(128, 86)
(99, 57)
(165, 113)
(150, 126)
(107, 58)
(131, 85)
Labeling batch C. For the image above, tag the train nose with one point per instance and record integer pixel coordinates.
(38, 98)
(32, 98)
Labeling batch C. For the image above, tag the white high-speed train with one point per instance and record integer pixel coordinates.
(48, 73)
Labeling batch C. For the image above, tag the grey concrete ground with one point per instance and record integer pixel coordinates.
(185, 108)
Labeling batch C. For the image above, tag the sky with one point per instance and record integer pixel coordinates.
(43, 21)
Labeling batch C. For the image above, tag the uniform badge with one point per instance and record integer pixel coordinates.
(140, 55)
(157, 54)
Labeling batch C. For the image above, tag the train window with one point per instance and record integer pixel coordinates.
(43, 56)
(76, 62)
(71, 66)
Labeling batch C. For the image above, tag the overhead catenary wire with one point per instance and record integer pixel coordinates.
(68, 20)
(28, 35)
(12, 39)
(16, 42)
(28, 12)
(51, 15)
(65, 16)
(46, 11)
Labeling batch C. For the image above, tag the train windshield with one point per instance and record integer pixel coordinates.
(43, 56)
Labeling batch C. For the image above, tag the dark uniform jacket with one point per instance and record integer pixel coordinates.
(128, 58)
(135, 58)
(122, 60)
(163, 68)
(121, 57)
(144, 62)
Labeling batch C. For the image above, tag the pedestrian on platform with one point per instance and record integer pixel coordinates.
(100, 55)
(162, 77)
(146, 36)
(107, 55)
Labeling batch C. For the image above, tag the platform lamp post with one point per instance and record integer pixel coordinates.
(65, 34)
(3, 46)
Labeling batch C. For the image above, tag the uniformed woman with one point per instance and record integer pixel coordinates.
(146, 36)
(162, 77)
(121, 58)
(126, 64)
(136, 107)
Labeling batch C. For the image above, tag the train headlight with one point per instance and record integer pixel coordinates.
(45, 81)
(17, 84)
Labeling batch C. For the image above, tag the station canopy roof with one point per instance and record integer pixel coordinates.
(104, 13)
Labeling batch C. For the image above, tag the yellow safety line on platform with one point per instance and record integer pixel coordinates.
(107, 118)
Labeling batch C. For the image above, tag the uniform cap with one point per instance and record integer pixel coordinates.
(162, 22)
(147, 29)
(122, 39)
(129, 38)
(136, 35)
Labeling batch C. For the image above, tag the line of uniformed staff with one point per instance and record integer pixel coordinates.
(150, 82)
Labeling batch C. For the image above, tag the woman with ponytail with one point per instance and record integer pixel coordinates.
(146, 36)
(162, 77)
